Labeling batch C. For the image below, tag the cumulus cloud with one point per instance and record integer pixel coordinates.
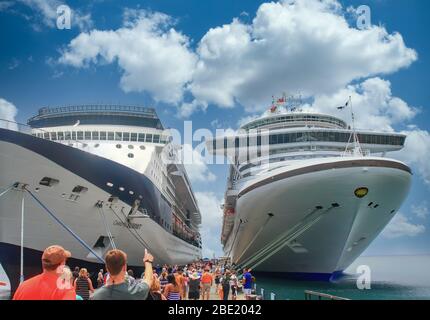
(421, 210)
(196, 166)
(7, 112)
(417, 152)
(373, 103)
(152, 56)
(400, 226)
(302, 46)
(209, 204)
(46, 13)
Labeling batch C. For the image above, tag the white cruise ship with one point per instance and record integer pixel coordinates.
(306, 193)
(97, 170)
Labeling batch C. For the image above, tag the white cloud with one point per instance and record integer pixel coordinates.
(302, 46)
(421, 210)
(417, 152)
(373, 103)
(46, 12)
(152, 56)
(195, 165)
(7, 112)
(400, 226)
(209, 205)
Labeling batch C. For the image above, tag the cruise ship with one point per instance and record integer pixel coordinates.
(92, 178)
(306, 192)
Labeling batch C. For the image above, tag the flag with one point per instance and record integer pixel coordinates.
(273, 108)
(344, 106)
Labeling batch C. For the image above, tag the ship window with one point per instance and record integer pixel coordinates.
(73, 135)
(46, 135)
(96, 145)
(130, 155)
(60, 136)
(95, 135)
(133, 136)
(111, 136)
(53, 135)
(67, 135)
(87, 135)
(148, 137)
(119, 146)
(109, 184)
(121, 188)
(79, 189)
(118, 136)
(130, 146)
(80, 135)
(125, 136)
(156, 138)
(141, 137)
(48, 182)
(102, 135)
(142, 147)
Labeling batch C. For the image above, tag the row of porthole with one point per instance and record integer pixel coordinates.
(119, 146)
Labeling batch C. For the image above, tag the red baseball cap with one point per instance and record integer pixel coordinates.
(55, 254)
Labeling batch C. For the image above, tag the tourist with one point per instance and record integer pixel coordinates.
(100, 279)
(48, 285)
(233, 285)
(206, 283)
(186, 282)
(117, 288)
(179, 278)
(155, 290)
(172, 290)
(247, 282)
(83, 285)
(225, 283)
(76, 273)
(194, 286)
(217, 278)
(163, 280)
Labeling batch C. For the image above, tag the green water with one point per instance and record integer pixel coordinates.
(392, 277)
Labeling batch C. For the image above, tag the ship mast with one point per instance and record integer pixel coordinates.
(356, 150)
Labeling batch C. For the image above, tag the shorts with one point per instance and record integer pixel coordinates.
(233, 290)
(206, 287)
(247, 291)
(194, 295)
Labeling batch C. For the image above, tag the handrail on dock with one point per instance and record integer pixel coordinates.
(309, 294)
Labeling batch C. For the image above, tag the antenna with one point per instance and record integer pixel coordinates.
(356, 143)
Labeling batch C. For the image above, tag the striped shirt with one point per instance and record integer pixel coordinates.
(173, 296)
(83, 288)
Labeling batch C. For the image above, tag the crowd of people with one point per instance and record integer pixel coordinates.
(195, 281)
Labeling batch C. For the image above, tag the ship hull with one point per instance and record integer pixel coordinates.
(27, 160)
(311, 222)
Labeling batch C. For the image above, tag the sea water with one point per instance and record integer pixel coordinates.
(391, 277)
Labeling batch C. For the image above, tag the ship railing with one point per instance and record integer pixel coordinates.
(26, 129)
(321, 296)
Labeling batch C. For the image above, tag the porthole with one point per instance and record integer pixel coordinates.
(130, 146)
(119, 146)
(121, 188)
(131, 192)
(109, 184)
(96, 145)
(130, 155)
(142, 147)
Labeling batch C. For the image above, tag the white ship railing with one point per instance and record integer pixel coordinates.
(26, 129)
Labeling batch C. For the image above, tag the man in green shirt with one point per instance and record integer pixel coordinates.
(119, 289)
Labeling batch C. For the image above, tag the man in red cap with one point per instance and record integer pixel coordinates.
(48, 285)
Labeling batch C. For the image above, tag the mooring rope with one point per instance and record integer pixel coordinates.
(82, 242)
(108, 231)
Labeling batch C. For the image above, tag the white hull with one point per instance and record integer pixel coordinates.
(18, 164)
(334, 236)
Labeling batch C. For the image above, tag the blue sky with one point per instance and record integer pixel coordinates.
(219, 62)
